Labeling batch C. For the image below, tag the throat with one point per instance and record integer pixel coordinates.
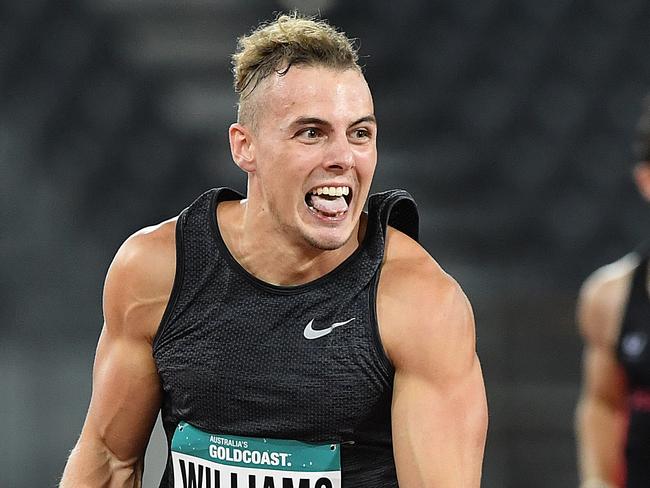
(289, 269)
(280, 255)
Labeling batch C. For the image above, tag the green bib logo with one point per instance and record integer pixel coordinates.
(204, 460)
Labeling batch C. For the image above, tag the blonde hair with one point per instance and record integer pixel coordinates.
(289, 40)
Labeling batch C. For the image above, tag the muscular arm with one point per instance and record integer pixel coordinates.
(600, 416)
(439, 412)
(600, 413)
(126, 389)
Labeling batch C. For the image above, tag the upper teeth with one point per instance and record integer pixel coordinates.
(334, 191)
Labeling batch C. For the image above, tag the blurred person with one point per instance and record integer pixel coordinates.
(290, 338)
(613, 413)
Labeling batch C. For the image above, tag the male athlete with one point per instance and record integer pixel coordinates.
(613, 414)
(290, 338)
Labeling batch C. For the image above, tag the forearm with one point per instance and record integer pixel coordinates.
(600, 434)
(92, 465)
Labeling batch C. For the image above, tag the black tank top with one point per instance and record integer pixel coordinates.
(634, 354)
(234, 359)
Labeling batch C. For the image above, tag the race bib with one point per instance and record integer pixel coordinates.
(203, 460)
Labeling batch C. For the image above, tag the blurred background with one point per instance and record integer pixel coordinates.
(510, 121)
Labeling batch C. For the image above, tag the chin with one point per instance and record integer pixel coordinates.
(327, 243)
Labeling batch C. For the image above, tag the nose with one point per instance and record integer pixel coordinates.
(340, 157)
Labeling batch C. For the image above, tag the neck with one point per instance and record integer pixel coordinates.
(270, 255)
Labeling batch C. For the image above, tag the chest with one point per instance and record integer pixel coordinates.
(304, 367)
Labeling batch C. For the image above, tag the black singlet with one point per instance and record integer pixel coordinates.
(233, 356)
(634, 354)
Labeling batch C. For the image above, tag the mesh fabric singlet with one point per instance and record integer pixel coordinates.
(233, 356)
(634, 354)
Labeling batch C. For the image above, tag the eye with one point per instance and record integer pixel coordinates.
(310, 133)
(361, 134)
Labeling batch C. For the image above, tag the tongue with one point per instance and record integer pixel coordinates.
(329, 205)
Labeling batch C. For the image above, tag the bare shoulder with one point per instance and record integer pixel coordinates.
(140, 280)
(602, 301)
(410, 270)
(422, 311)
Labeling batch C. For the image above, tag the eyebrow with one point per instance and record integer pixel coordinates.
(368, 118)
(316, 121)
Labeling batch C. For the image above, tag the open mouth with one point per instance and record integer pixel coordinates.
(329, 201)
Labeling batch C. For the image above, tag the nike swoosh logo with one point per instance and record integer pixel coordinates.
(311, 333)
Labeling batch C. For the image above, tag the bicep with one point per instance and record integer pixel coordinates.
(599, 316)
(603, 377)
(126, 395)
(439, 411)
(600, 414)
(439, 403)
(439, 430)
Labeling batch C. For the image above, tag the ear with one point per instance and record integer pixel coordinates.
(642, 178)
(242, 147)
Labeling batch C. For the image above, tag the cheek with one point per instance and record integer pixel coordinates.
(366, 163)
(283, 183)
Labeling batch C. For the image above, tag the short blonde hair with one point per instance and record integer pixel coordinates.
(289, 40)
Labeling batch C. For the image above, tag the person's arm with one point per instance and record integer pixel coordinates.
(439, 412)
(600, 413)
(126, 389)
